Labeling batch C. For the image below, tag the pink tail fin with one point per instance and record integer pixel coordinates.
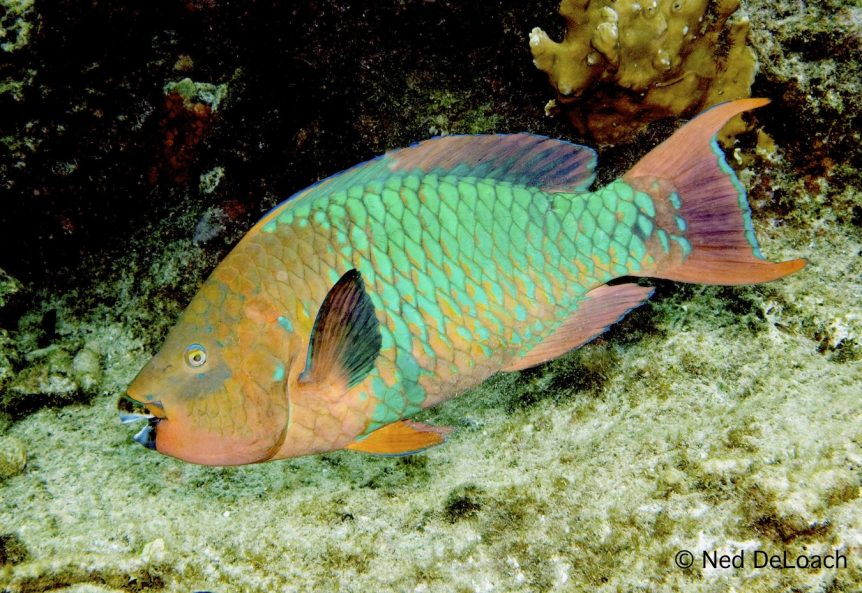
(704, 230)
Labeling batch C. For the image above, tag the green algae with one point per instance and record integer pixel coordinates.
(17, 21)
(198, 92)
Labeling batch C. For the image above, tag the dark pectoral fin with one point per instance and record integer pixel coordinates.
(401, 438)
(345, 339)
(602, 307)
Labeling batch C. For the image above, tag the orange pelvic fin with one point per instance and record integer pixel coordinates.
(404, 437)
(602, 307)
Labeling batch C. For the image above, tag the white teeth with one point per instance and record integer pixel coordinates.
(145, 437)
(141, 437)
(131, 418)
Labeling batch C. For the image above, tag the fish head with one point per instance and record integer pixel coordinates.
(213, 394)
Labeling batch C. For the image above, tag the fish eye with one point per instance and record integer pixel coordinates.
(196, 355)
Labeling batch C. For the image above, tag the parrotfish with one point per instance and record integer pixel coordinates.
(407, 280)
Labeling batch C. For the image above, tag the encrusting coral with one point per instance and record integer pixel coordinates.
(626, 63)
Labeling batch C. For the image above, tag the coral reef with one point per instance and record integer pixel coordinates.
(627, 63)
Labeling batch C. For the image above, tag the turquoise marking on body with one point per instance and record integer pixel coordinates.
(379, 388)
(390, 297)
(662, 237)
(607, 219)
(407, 366)
(467, 191)
(269, 227)
(285, 323)
(628, 212)
(415, 253)
(680, 223)
(583, 245)
(674, 200)
(412, 181)
(412, 315)
(645, 225)
(601, 241)
(355, 191)
(320, 219)
(374, 206)
(357, 212)
(645, 203)
(520, 312)
(430, 307)
(683, 243)
(366, 268)
(278, 375)
(410, 224)
(386, 340)
(594, 204)
(382, 263)
(401, 333)
(637, 248)
(522, 196)
(622, 189)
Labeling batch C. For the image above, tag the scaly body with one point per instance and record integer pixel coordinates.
(474, 259)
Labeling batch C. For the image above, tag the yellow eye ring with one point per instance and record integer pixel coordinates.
(196, 355)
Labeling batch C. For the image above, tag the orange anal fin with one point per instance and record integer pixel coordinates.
(404, 437)
(602, 307)
(724, 270)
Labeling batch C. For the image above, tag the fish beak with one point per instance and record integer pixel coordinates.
(132, 411)
(146, 436)
(126, 418)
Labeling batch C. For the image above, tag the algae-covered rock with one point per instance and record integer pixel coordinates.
(87, 367)
(627, 63)
(17, 20)
(53, 376)
(12, 549)
(197, 92)
(13, 457)
(47, 378)
(9, 286)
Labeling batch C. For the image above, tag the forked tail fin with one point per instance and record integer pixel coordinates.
(703, 230)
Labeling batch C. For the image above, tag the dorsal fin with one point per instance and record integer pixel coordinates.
(526, 159)
(538, 161)
(602, 307)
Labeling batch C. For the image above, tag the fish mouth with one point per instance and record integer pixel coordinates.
(132, 412)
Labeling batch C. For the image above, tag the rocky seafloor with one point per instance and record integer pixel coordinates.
(140, 142)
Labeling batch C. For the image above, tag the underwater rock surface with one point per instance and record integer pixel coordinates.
(713, 419)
